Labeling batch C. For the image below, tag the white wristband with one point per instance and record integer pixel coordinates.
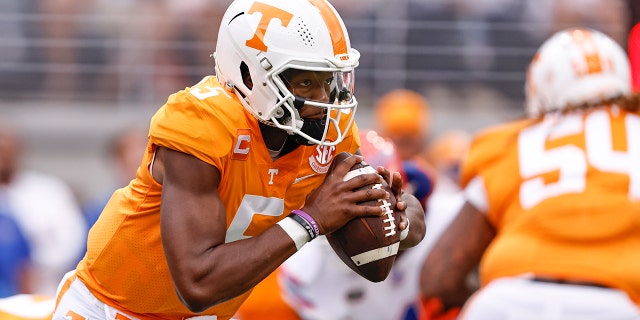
(295, 231)
(404, 233)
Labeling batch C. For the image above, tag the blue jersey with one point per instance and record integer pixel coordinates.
(14, 253)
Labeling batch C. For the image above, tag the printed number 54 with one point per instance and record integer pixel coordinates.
(572, 161)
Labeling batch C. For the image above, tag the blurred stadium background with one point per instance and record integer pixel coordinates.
(73, 72)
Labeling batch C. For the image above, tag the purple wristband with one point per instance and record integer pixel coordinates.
(309, 219)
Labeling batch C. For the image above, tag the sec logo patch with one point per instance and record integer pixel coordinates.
(321, 158)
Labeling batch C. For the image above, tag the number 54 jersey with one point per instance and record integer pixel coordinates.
(563, 193)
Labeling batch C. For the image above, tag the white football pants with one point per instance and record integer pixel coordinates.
(522, 298)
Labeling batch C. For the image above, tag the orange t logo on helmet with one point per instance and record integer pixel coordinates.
(268, 13)
(591, 63)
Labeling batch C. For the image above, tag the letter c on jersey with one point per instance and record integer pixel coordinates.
(242, 145)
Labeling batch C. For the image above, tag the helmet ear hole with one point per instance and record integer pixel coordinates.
(246, 76)
(279, 112)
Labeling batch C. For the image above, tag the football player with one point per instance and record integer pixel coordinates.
(233, 180)
(552, 211)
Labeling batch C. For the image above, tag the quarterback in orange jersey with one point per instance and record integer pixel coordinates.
(233, 180)
(552, 212)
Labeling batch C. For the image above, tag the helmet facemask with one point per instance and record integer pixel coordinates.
(329, 94)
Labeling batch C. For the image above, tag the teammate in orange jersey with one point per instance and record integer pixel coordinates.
(552, 212)
(233, 180)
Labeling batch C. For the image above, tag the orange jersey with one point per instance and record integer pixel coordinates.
(563, 194)
(125, 265)
(266, 302)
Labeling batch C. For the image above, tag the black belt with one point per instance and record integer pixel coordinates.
(571, 282)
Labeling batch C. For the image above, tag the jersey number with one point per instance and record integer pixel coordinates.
(571, 161)
(251, 206)
(203, 92)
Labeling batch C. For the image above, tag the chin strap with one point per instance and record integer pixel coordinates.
(313, 128)
(298, 102)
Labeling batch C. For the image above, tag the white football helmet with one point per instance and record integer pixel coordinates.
(573, 67)
(267, 37)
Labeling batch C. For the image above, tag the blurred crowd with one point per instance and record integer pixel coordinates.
(105, 50)
(140, 51)
(43, 224)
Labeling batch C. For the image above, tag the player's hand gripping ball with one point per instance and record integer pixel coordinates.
(368, 245)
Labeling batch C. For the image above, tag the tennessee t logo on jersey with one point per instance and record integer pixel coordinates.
(272, 172)
(268, 13)
(242, 145)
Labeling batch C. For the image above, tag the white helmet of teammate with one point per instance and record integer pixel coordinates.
(573, 67)
(267, 37)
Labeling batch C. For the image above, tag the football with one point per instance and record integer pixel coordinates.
(368, 245)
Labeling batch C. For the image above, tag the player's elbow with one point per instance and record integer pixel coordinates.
(189, 301)
(195, 300)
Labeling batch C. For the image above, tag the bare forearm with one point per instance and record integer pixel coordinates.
(230, 269)
(417, 227)
(444, 276)
(458, 251)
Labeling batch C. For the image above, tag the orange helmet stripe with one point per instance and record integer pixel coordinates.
(332, 21)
